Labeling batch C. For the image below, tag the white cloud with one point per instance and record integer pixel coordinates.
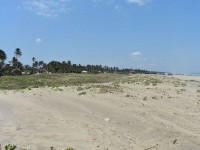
(110, 2)
(136, 54)
(46, 8)
(53, 8)
(38, 40)
(138, 2)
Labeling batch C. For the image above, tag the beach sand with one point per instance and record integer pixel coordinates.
(164, 116)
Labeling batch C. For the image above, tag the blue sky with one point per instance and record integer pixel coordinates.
(162, 35)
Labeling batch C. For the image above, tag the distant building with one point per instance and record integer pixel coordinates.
(84, 72)
(131, 72)
(168, 74)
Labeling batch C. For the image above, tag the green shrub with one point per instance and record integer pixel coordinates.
(10, 147)
(70, 148)
(79, 88)
(82, 93)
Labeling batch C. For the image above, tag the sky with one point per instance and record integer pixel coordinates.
(160, 35)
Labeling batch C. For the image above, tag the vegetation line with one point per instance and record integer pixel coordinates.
(15, 67)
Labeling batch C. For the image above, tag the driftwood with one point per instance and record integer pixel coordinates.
(175, 141)
(51, 148)
(151, 147)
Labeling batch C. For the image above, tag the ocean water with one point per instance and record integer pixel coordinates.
(195, 74)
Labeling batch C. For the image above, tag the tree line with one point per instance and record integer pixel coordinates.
(15, 67)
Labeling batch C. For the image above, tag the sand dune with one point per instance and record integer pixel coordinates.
(163, 117)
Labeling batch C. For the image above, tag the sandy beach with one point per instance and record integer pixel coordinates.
(135, 116)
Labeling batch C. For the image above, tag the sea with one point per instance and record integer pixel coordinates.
(194, 74)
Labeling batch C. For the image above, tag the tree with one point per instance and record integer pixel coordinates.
(35, 64)
(2, 56)
(17, 69)
(18, 52)
(69, 63)
(7, 69)
(41, 64)
(2, 59)
(27, 69)
(54, 67)
(33, 59)
(16, 65)
(13, 62)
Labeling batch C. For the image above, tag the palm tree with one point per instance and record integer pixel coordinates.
(18, 52)
(33, 59)
(17, 65)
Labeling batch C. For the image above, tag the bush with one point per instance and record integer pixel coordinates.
(10, 147)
